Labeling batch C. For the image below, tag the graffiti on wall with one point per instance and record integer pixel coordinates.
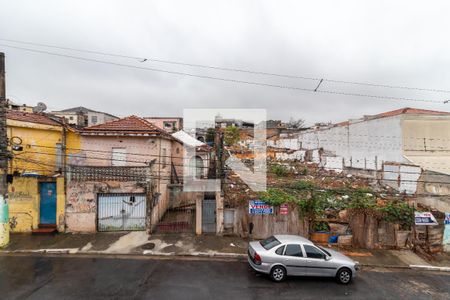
(82, 195)
(12, 222)
(22, 189)
(20, 195)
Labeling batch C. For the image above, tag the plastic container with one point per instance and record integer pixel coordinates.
(333, 239)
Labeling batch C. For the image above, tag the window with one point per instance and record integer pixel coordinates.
(71, 118)
(169, 126)
(269, 243)
(280, 250)
(313, 252)
(119, 156)
(324, 250)
(94, 119)
(293, 250)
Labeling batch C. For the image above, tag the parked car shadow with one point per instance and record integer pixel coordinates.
(297, 279)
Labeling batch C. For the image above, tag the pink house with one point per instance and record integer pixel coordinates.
(169, 124)
(120, 178)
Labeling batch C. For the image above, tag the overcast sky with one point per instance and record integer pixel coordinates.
(389, 42)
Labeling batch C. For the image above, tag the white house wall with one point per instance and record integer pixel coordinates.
(296, 155)
(362, 144)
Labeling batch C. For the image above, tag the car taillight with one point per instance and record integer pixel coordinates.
(257, 259)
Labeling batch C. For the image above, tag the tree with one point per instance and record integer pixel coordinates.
(231, 135)
(295, 124)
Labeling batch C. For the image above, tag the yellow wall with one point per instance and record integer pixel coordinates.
(60, 204)
(426, 134)
(23, 204)
(24, 201)
(38, 156)
(39, 146)
(426, 142)
(73, 143)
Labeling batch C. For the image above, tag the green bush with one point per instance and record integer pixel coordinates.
(362, 199)
(399, 213)
(231, 135)
(279, 170)
(320, 226)
(274, 196)
(304, 171)
(303, 185)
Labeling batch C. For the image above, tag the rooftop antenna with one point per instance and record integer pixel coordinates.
(40, 107)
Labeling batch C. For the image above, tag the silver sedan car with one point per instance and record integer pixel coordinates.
(283, 255)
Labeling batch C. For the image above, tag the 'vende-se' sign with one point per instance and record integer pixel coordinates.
(424, 218)
(257, 207)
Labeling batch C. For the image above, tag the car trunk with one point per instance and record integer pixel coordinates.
(255, 247)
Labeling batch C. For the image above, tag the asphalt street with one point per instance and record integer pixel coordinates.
(43, 277)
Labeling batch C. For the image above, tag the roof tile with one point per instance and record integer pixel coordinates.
(30, 117)
(128, 125)
(411, 111)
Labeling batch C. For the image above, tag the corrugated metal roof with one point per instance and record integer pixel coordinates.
(84, 110)
(187, 139)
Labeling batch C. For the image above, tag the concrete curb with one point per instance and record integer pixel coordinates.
(430, 268)
(145, 253)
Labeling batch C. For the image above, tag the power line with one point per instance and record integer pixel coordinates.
(109, 152)
(264, 84)
(143, 162)
(270, 172)
(239, 70)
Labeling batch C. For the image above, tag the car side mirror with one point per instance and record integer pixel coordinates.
(327, 258)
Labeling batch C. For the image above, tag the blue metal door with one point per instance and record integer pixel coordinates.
(48, 203)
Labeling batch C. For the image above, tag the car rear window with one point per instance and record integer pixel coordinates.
(269, 243)
(280, 250)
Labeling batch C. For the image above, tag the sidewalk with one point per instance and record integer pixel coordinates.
(136, 243)
(139, 243)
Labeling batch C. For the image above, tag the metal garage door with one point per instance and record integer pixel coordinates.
(121, 212)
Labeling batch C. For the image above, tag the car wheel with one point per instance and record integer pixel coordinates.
(344, 276)
(278, 273)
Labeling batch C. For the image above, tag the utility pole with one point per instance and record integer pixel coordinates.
(4, 212)
(219, 150)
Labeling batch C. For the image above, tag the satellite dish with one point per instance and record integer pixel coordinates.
(40, 107)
